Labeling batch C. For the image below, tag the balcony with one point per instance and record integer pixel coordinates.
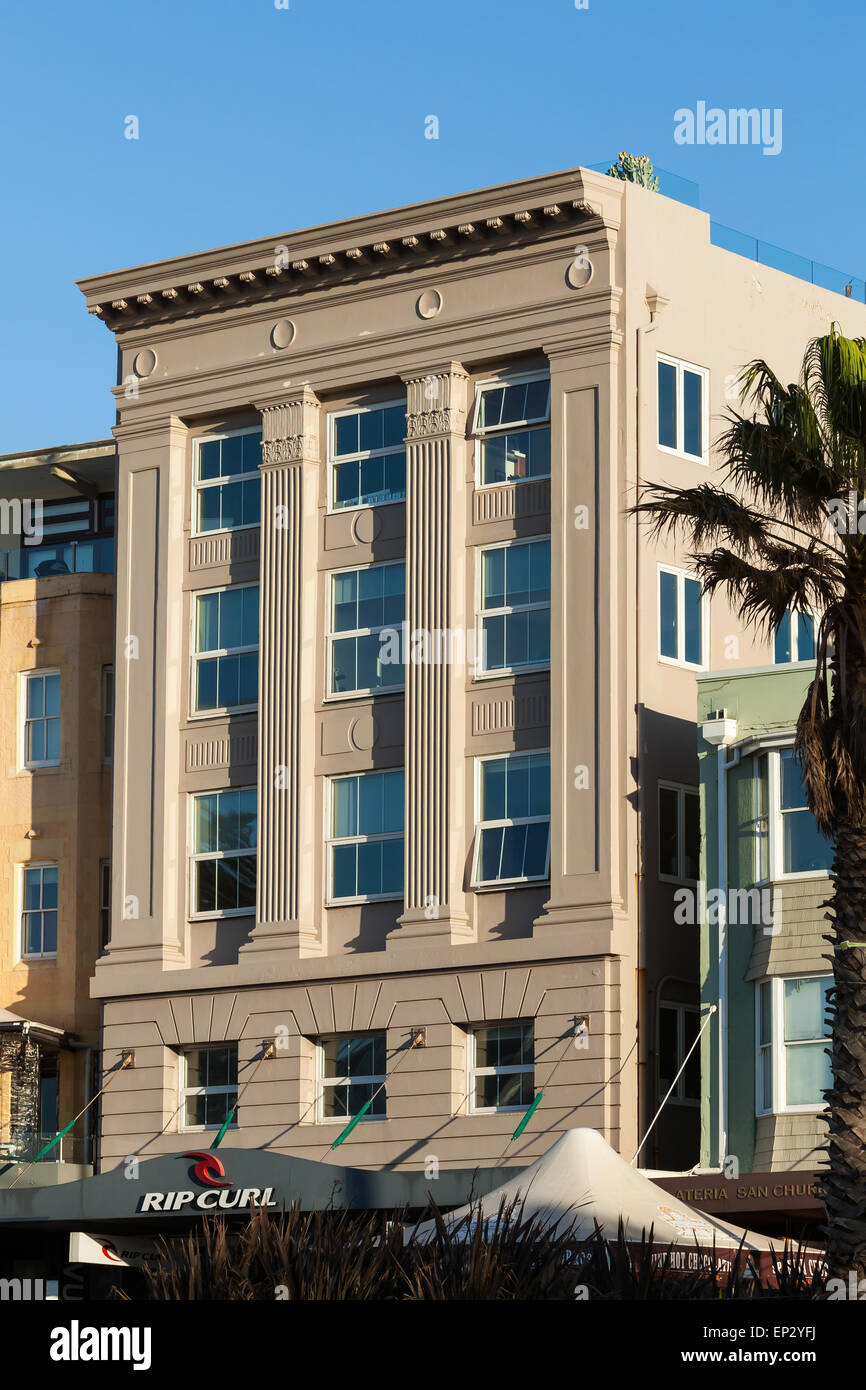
(95, 556)
(70, 1159)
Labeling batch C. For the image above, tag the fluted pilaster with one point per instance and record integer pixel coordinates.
(435, 903)
(285, 913)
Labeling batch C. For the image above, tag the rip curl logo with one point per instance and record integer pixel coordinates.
(208, 1170)
(109, 1250)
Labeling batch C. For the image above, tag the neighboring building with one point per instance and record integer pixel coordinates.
(56, 702)
(763, 958)
(434, 416)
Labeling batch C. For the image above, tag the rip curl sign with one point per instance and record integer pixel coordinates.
(220, 1193)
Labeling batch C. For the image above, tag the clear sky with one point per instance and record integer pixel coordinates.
(254, 120)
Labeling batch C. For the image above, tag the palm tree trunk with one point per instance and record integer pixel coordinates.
(845, 1180)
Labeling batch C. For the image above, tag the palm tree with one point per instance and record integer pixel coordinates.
(781, 533)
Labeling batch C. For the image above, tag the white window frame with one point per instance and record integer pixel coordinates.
(775, 822)
(334, 462)
(26, 676)
(682, 789)
(331, 637)
(22, 935)
(198, 486)
(323, 1081)
(480, 433)
(195, 656)
(218, 914)
(778, 1047)
(473, 1071)
(793, 614)
(681, 575)
(494, 885)
(184, 1090)
(107, 714)
(482, 673)
(682, 366)
(677, 1096)
(332, 840)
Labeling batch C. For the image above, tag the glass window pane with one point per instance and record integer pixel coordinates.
(513, 846)
(539, 454)
(209, 459)
(539, 784)
(227, 884)
(490, 854)
(369, 868)
(231, 609)
(393, 425)
(246, 880)
(344, 665)
(35, 750)
(370, 423)
(793, 788)
(668, 832)
(228, 681)
(345, 601)
(52, 739)
(392, 865)
(207, 625)
(371, 799)
(493, 578)
(667, 614)
(205, 886)
(805, 1003)
(346, 434)
(539, 569)
(692, 413)
(395, 476)
(694, 637)
(538, 635)
(52, 695)
(49, 888)
(206, 684)
(493, 459)
(805, 848)
(251, 451)
(392, 810)
(209, 509)
(805, 637)
(537, 397)
(490, 412)
(516, 787)
(668, 1045)
(535, 860)
(807, 1073)
(517, 583)
(347, 484)
(344, 871)
(35, 697)
(492, 653)
(231, 453)
(766, 1013)
(493, 775)
(517, 639)
(232, 505)
(667, 402)
(32, 889)
(345, 808)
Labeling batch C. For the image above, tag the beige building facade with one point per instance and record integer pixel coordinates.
(56, 673)
(405, 763)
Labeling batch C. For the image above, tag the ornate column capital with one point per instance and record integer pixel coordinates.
(290, 428)
(436, 401)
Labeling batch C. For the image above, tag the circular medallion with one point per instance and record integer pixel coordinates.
(282, 333)
(429, 304)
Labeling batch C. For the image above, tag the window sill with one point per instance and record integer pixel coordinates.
(197, 716)
(503, 884)
(227, 914)
(225, 530)
(359, 902)
(365, 507)
(508, 673)
(683, 665)
(702, 459)
(335, 696)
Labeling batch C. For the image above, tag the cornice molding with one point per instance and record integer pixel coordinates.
(322, 257)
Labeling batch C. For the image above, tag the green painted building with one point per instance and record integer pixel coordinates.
(760, 904)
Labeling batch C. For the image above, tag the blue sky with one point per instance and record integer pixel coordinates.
(254, 120)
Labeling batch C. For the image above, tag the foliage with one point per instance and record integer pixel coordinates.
(635, 168)
(350, 1256)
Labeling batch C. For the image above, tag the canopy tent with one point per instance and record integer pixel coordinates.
(582, 1182)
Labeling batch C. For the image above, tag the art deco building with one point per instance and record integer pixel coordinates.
(405, 766)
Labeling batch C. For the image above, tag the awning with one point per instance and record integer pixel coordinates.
(582, 1182)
